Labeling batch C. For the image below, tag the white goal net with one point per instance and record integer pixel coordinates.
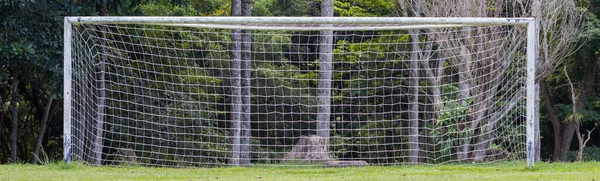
(182, 92)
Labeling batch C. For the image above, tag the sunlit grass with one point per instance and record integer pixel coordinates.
(496, 171)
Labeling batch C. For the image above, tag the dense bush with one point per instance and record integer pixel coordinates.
(589, 154)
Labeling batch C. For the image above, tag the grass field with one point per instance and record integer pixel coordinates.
(498, 171)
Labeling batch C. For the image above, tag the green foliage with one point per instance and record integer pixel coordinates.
(29, 38)
(286, 8)
(163, 110)
(588, 115)
(369, 54)
(184, 8)
(30, 52)
(589, 154)
(286, 124)
(163, 9)
(362, 8)
(450, 125)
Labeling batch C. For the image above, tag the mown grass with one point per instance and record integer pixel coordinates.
(497, 171)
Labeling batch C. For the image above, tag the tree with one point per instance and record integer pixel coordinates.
(415, 61)
(554, 51)
(101, 8)
(236, 100)
(15, 118)
(30, 45)
(466, 68)
(286, 8)
(325, 74)
(42, 130)
(558, 31)
(246, 66)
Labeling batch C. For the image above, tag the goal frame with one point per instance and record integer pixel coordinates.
(395, 23)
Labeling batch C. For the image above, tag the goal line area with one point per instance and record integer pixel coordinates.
(216, 91)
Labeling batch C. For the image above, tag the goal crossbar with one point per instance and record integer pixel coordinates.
(298, 20)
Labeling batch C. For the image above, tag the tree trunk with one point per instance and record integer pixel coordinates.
(246, 67)
(554, 119)
(566, 137)
(325, 74)
(585, 89)
(2, 116)
(564, 131)
(463, 95)
(486, 115)
(236, 99)
(42, 131)
(4, 146)
(15, 120)
(413, 114)
(310, 149)
(483, 139)
(580, 142)
(98, 141)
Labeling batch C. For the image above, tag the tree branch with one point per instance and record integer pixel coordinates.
(588, 136)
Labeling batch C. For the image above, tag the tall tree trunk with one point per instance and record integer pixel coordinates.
(3, 146)
(579, 101)
(564, 131)
(434, 76)
(566, 137)
(586, 87)
(98, 141)
(554, 119)
(325, 74)
(580, 142)
(15, 120)
(246, 67)
(463, 94)
(413, 115)
(42, 131)
(236, 99)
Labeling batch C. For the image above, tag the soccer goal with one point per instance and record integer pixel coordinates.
(217, 91)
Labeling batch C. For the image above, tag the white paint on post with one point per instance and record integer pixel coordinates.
(531, 93)
(67, 90)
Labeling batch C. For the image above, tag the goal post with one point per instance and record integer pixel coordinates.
(532, 93)
(67, 91)
(160, 91)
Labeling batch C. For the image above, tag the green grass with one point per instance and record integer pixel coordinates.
(497, 171)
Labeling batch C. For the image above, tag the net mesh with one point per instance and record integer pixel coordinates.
(177, 95)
